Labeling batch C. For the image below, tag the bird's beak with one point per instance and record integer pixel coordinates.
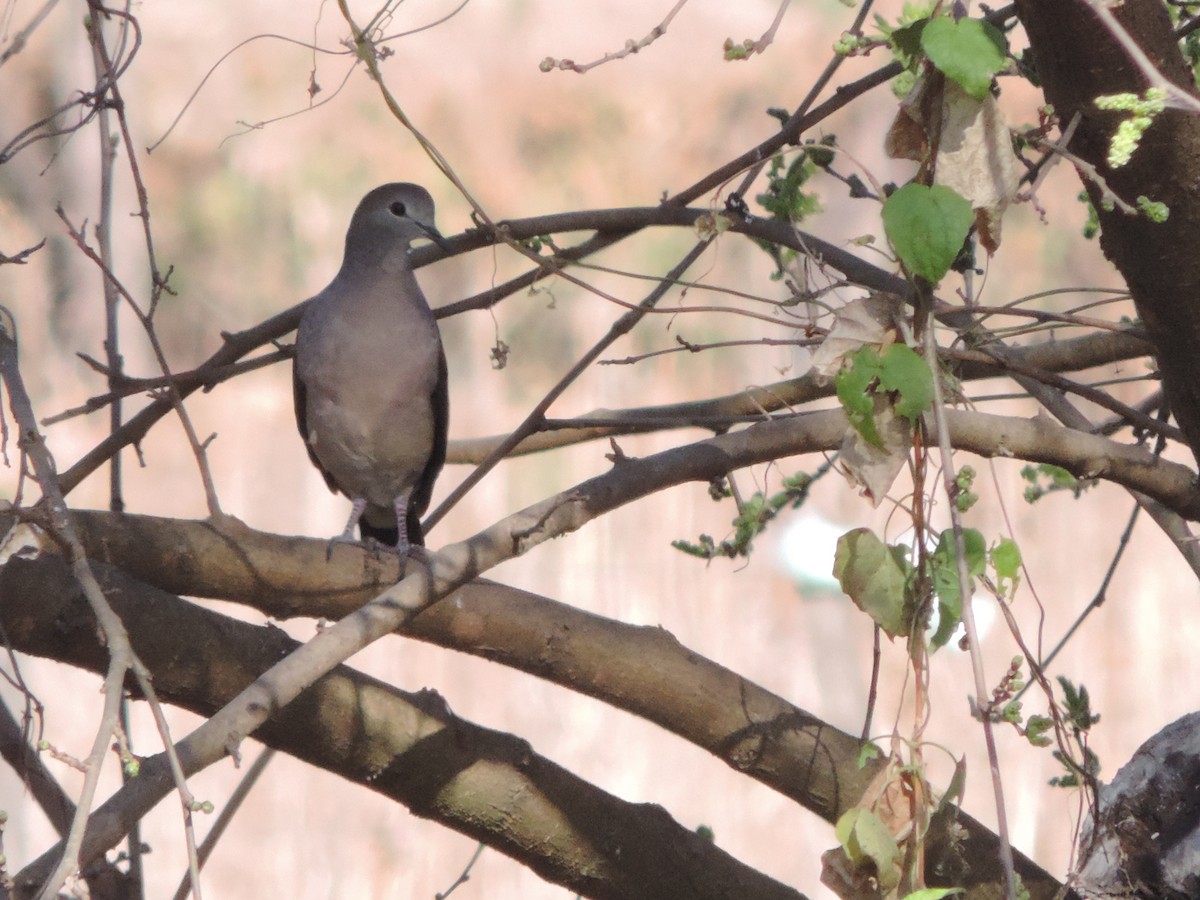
(434, 235)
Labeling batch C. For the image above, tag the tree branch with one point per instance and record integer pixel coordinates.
(238, 345)
(409, 747)
(750, 404)
(1035, 439)
(643, 670)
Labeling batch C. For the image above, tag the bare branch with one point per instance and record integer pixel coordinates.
(203, 377)
(121, 657)
(22, 256)
(549, 64)
(1037, 361)
(17, 43)
(533, 421)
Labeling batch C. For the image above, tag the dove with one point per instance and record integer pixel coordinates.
(369, 376)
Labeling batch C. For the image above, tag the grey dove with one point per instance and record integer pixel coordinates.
(370, 373)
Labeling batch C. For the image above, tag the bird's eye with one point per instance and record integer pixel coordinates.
(397, 209)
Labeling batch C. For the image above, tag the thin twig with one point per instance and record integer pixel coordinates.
(308, 45)
(536, 416)
(549, 64)
(36, 778)
(464, 876)
(748, 47)
(172, 390)
(22, 256)
(112, 301)
(121, 656)
(1098, 597)
(1088, 171)
(949, 474)
(18, 41)
(1131, 415)
(88, 101)
(225, 818)
(684, 345)
(204, 376)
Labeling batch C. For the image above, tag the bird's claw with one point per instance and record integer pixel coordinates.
(343, 538)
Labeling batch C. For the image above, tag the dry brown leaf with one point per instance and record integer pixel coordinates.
(868, 320)
(871, 468)
(976, 159)
(975, 155)
(908, 137)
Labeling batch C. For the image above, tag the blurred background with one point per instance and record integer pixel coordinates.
(250, 194)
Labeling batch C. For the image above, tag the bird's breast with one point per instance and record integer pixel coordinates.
(369, 382)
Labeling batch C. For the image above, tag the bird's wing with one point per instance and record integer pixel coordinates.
(300, 398)
(423, 491)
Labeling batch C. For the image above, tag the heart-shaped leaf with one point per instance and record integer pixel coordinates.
(969, 51)
(927, 227)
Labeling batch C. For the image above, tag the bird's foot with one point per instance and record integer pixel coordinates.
(346, 537)
(403, 546)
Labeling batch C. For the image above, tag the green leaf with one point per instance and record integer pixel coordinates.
(1153, 210)
(867, 753)
(904, 371)
(1006, 560)
(853, 382)
(969, 51)
(933, 893)
(906, 41)
(1037, 731)
(875, 576)
(1046, 478)
(863, 836)
(957, 787)
(927, 227)
(945, 579)
(1077, 704)
(783, 197)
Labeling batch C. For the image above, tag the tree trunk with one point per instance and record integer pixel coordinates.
(1078, 59)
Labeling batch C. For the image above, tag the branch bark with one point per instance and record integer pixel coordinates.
(643, 670)
(1071, 354)
(1078, 59)
(409, 747)
(453, 567)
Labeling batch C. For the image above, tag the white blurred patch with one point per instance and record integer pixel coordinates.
(806, 551)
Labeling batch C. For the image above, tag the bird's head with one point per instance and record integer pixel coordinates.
(394, 214)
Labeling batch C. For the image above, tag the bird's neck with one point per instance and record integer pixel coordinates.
(383, 284)
(365, 261)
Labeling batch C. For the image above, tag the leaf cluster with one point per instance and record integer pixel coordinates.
(1077, 710)
(1045, 478)
(885, 583)
(755, 515)
(896, 372)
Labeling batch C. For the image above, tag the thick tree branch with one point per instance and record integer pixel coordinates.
(409, 747)
(643, 670)
(454, 566)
